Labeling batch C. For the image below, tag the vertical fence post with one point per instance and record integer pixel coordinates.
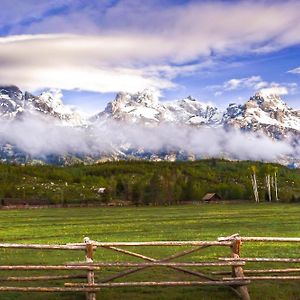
(237, 271)
(90, 274)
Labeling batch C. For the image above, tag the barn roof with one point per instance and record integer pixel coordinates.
(209, 196)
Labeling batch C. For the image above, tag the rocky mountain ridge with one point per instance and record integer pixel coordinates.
(262, 114)
(144, 108)
(14, 104)
(266, 113)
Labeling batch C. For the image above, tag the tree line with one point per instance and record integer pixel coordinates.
(149, 183)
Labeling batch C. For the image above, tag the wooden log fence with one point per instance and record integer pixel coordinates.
(236, 277)
(260, 271)
(41, 278)
(90, 273)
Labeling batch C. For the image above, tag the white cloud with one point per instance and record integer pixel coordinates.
(93, 63)
(275, 90)
(100, 64)
(295, 71)
(128, 46)
(248, 82)
(200, 27)
(41, 136)
(255, 83)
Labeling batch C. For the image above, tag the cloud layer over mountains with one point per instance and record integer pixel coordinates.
(40, 136)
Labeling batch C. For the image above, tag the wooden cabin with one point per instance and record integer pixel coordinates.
(211, 197)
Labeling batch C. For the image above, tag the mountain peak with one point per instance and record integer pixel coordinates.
(12, 88)
(189, 98)
(14, 104)
(10, 91)
(267, 99)
(11, 101)
(146, 97)
(266, 95)
(265, 112)
(145, 107)
(53, 98)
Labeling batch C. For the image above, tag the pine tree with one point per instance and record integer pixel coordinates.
(155, 189)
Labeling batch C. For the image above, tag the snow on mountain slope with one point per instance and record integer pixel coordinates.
(50, 103)
(132, 108)
(11, 102)
(145, 108)
(265, 113)
(14, 104)
(192, 112)
(161, 130)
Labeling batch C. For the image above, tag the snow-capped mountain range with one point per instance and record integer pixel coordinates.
(14, 104)
(145, 108)
(266, 113)
(263, 113)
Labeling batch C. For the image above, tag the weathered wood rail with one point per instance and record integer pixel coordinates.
(237, 278)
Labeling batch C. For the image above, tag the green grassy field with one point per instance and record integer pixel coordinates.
(199, 222)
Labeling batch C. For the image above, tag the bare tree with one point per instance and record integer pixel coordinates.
(268, 186)
(271, 182)
(276, 183)
(254, 183)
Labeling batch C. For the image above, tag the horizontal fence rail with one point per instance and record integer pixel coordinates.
(44, 246)
(270, 239)
(259, 239)
(233, 277)
(41, 278)
(232, 282)
(158, 243)
(164, 264)
(262, 259)
(261, 271)
(264, 278)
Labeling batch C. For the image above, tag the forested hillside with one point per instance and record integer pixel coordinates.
(144, 183)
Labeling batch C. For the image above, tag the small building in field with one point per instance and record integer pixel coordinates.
(210, 197)
(101, 190)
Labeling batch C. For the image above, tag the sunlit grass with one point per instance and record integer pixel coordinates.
(199, 222)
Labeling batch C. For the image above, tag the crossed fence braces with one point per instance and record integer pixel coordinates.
(237, 281)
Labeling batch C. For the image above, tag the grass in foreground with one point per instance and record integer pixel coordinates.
(200, 222)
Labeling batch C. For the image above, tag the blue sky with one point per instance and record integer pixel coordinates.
(216, 51)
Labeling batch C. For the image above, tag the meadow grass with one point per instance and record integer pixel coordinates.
(190, 222)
